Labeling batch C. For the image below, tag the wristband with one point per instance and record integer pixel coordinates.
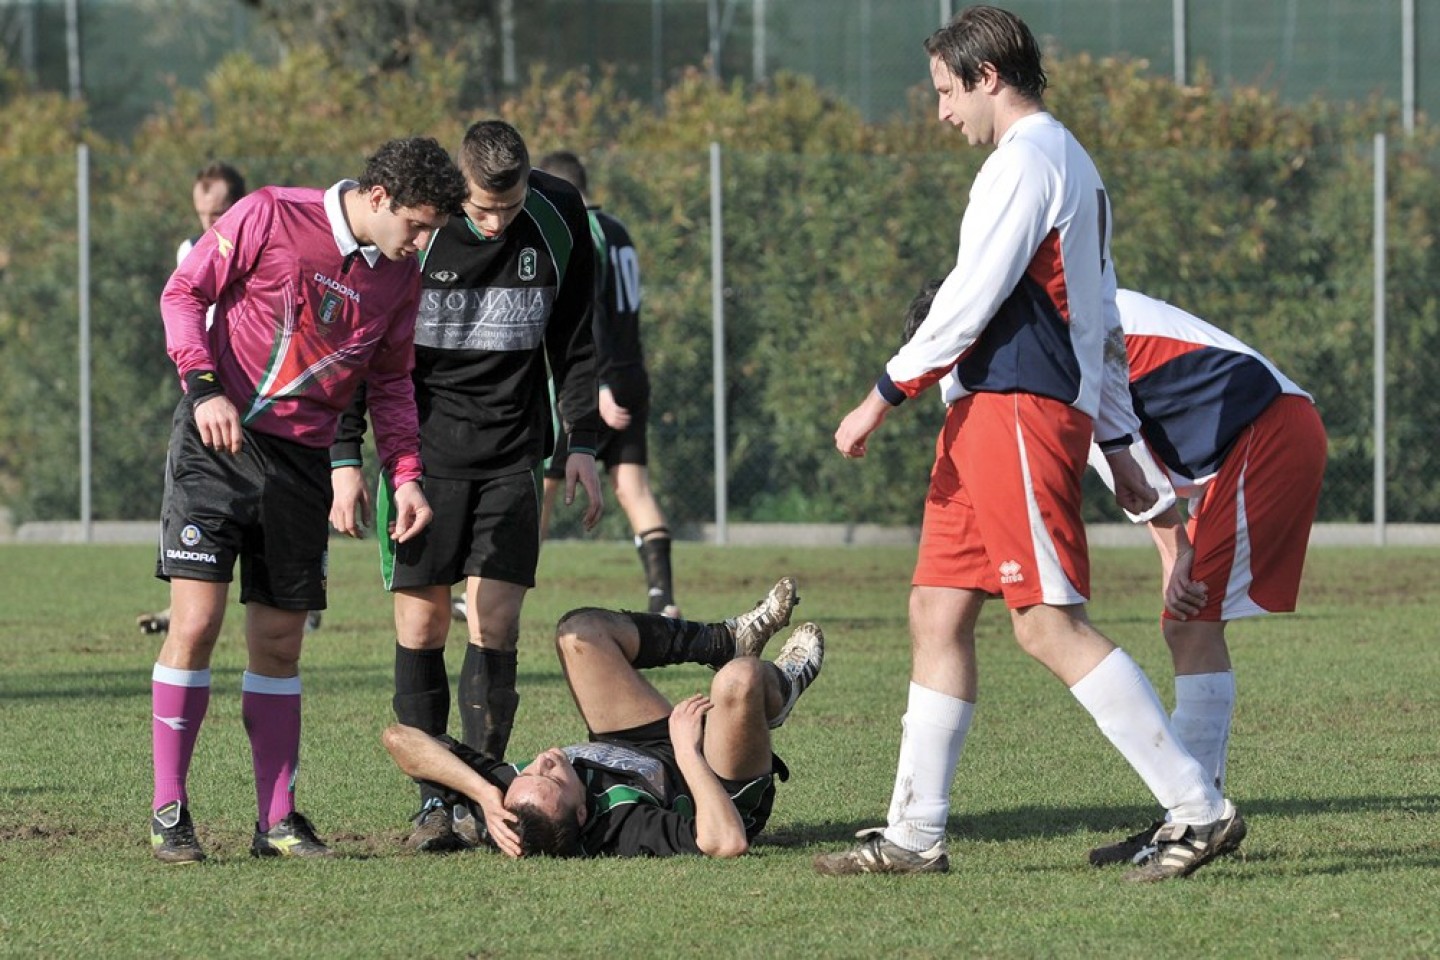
(1116, 445)
(202, 385)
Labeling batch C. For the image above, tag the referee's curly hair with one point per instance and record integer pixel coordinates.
(416, 172)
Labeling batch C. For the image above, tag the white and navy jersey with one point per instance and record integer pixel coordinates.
(1027, 305)
(1195, 387)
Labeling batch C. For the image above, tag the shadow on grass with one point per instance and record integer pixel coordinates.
(1040, 822)
(125, 684)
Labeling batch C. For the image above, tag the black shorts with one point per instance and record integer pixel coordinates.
(268, 506)
(481, 528)
(615, 446)
(754, 799)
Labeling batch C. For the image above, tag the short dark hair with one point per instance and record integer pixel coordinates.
(983, 34)
(567, 166)
(416, 172)
(919, 309)
(546, 835)
(220, 170)
(493, 155)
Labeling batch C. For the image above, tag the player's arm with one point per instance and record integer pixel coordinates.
(1133, 473)
(1184, 597)
(224, 255)
(719, 831)
(570, 348)
(422, 757)
(351, 511)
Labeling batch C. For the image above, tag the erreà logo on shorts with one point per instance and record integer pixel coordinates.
(1010, 572)
(529, 260)
(190, 536)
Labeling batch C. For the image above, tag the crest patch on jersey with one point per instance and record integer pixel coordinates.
(329, 307)
(528, 261)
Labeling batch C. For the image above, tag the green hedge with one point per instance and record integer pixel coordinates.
(1252, 213)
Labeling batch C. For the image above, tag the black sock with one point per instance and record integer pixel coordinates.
(665, 641)
(422, 696)
(488, 699)
(654, 548)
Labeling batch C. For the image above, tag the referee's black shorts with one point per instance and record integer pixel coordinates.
(267, 506)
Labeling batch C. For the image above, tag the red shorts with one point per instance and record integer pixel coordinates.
(1252, 526)
(1003, 511)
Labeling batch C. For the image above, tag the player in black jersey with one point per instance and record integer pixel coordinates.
(624, 391)
(508, 290)
(652, 780)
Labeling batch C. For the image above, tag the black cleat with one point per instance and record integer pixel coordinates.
(291, 837)
(172, 835)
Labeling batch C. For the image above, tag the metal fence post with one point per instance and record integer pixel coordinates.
(717, 349)
(82, 193)
(1379, 284)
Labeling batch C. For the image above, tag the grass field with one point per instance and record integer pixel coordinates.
(1335, 763)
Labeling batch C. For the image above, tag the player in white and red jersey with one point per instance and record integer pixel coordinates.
(1018, 330)
(315, 293)
(1245, 444)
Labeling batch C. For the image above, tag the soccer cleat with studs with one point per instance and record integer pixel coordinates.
(291, 837)
(172, 835)
(800, 661)
(434, 829)
(754, 628)
(1135, 848)
(1181, 849)
(875, 854)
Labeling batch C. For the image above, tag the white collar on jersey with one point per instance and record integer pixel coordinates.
(344, 238)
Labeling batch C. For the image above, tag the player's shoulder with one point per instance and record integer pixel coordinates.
(613, 227)
(560, 194)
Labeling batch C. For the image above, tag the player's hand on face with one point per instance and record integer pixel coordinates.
(350, 510)
(580, 468)
(687, 722)
(502, 830)
(412, 512)
(219, 424)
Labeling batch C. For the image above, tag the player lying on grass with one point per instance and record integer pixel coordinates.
(653, 780)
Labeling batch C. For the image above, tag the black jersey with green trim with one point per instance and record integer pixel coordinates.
(638, 804)
(492, 312)
(620, 356)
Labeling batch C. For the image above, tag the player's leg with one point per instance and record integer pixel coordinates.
(951, 582)
(1250, 533)
(627, 456)
(598, 651)
(283, 575)
(208, 498)
(554, 472)
(180, 698)
(1022, 458)
(504, 551)
(419, 574)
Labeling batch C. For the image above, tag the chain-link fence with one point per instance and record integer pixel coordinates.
(127, 52)
(820, 256)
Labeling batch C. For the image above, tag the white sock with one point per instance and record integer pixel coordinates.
(1128, 712)
(1204, 704)
(934, 729)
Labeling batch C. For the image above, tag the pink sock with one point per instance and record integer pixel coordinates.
(270, 707)
(178, 700)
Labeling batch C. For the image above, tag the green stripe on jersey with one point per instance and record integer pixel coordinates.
(554, 229)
